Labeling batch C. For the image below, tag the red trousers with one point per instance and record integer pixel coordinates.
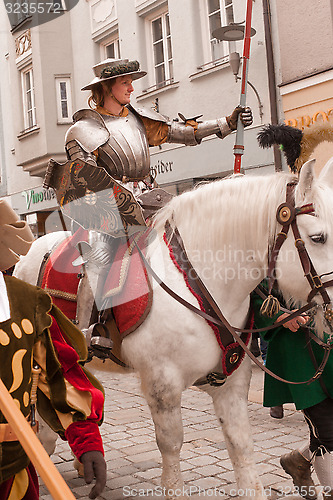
(26, 484)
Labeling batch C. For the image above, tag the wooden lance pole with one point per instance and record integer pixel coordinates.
(33, 447)
(239, 142)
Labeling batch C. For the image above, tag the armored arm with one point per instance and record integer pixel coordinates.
(181, 133)
(191, 132)
(86, 135)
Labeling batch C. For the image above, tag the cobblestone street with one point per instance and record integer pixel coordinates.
(133, 458)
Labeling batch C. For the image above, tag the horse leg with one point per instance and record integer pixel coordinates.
(230, 403)
(164, 399)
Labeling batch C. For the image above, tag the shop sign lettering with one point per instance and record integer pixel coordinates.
(33, 198)
(307, 121)
(162, 167)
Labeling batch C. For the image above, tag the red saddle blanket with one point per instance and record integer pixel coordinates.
(60, 277)
(127, 288)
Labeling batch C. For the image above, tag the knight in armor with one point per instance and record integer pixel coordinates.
(116, 136)
(108, 147)
(103, 184)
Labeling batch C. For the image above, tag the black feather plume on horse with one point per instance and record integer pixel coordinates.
(289, 139)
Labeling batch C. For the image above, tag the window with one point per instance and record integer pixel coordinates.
(64, 99)
(220, 12)
(29, 107)
(112, 49)
(162, 50)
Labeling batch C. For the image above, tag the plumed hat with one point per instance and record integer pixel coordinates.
(15, 237)
(111, 68)
(297, 145)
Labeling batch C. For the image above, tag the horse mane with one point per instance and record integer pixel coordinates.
(238, 210)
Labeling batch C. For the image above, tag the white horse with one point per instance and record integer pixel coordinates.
(228, 228)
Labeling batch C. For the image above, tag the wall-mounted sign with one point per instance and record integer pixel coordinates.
(307, 121)
(161, 167)
(34, 200)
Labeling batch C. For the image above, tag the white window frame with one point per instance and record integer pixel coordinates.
(27, 110)
(169, 78)
(208, 40)
(113, 40)
(67, 81)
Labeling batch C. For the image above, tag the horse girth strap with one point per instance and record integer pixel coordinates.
(223, 321)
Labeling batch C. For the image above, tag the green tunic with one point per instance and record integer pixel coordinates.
(288, 357)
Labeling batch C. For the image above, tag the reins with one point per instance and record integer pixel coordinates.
(223, 322)
(286, 215)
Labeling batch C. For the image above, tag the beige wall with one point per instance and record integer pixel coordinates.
(308, 107)
(305, 37)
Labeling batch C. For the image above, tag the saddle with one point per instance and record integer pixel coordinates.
(126, 293)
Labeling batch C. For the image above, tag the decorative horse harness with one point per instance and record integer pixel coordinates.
(233, 338)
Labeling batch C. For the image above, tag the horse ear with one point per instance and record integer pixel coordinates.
(306, 177)
(326, 174)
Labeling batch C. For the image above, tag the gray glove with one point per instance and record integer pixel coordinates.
(94, 466)
(245, 116)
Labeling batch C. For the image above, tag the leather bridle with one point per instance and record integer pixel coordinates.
(287, 216)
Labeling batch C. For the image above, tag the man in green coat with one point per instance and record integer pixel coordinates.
(289, 357)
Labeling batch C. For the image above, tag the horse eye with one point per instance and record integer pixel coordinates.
(319, 238)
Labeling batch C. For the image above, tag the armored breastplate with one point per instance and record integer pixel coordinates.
(126, 152)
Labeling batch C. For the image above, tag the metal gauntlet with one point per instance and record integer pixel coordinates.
(185, 134)
(76, 152)
(179, 133)
(219, 127)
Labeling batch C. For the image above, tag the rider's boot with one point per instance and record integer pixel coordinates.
(298, 465)
(323, 465)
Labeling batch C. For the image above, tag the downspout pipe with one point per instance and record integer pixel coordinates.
(271, 77)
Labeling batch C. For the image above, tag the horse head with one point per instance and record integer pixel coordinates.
(305, 260)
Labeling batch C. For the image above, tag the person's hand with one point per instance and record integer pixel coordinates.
(294, 323)
(94, 466)
(245, 116)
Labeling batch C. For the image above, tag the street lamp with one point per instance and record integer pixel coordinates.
(235, 31)
(232, 32)
(234, 62)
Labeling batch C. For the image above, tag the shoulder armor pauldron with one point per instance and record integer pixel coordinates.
(89, 130)
(148, 113)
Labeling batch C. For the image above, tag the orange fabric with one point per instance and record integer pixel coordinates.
(157, 132)
(192, 123)
(103, 111)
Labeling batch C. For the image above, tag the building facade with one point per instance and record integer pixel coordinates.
(45, 65)
(305, 45)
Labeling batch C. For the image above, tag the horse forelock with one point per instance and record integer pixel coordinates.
(237, 211)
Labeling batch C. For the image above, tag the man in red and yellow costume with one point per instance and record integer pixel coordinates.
(37, 340)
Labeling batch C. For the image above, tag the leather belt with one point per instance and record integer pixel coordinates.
(7, 433)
